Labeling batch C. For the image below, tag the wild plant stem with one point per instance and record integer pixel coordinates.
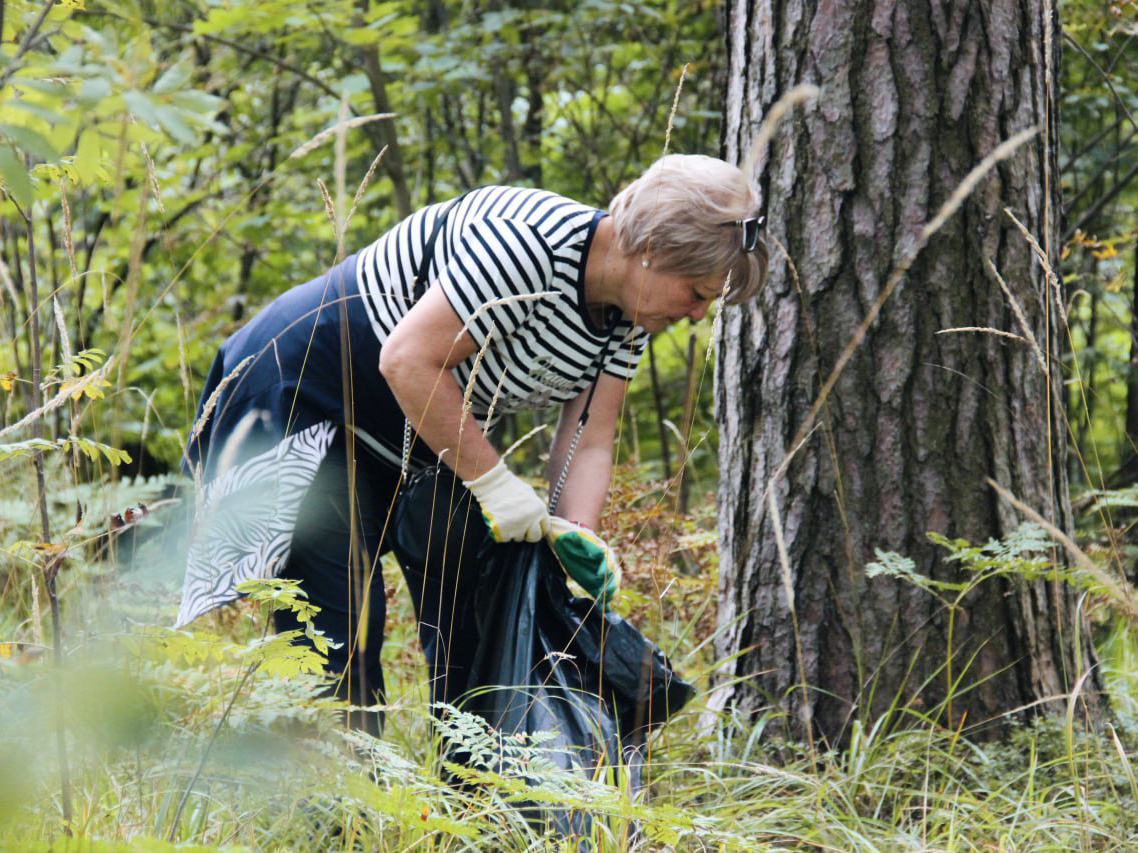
(51, 564)
(949, 689)
(208, 749)
(29, 37)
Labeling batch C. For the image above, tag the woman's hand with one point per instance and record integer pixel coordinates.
(586, 558)
(512, 509)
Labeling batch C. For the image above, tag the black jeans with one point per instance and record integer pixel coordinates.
(339, 569)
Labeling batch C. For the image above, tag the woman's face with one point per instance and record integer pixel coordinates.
(654, 300)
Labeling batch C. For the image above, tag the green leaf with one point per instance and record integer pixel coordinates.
(362, 36)
(30, 141)
(94, 89)
(38, 110)
(93, 449)
(893, 565)
(15, 177)
(88, 155)
(26, 448)
(171, 121)
(50, 87)
(174, 79)
(193, 100)
(142, 108)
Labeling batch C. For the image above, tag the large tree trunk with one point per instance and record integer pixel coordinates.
(914, 95)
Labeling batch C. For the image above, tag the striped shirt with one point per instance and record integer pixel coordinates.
(512, 264)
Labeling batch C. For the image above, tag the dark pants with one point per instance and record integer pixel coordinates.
(340, 571)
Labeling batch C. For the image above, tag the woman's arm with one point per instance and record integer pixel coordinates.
(416, 360)
(586, 486)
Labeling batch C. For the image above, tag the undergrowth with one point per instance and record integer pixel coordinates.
(218, 738)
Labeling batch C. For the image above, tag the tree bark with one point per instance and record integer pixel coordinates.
(913, 96)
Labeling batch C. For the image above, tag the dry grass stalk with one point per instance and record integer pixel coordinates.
(780, 545)
(786, 460)
(798, 95)
(1050, 26)
(340, 170)
(183, 369)
(539, 428)
(717, 320)
(1119, 593)
(1124, 761)
(324, 135)
(1052, 279)
(1001, 152)
(37, 616)
(789, 261)
(153, 175)
(134, 271)
(667, 143)
(363, 186)
(61, 327)
(493, 405)
(1021, 318)
(675, 106)
(9, 285)
(211, 402)
(60, 399)
(986, 330)
(970, 182)
(329, 208)
(468, 391)
(68, 240)
(520, 297)
(788, 590)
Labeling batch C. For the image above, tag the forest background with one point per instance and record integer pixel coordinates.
(168, 169)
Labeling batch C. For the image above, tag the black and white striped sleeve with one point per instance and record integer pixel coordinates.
(495, 275)
(625, 355)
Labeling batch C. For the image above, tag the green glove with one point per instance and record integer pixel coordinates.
(586, 558)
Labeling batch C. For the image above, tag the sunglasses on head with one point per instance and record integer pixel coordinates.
(751, 228)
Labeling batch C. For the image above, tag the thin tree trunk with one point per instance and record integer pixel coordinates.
(1127, 472)
(386, 131)
(661, 414)
(52, 561)
(691, 387)
(1085, 402)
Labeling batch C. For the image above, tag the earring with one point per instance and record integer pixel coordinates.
(644, 263)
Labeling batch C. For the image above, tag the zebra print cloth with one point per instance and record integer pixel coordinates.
(244, 524)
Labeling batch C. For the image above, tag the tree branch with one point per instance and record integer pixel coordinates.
(237, 46)
(1106, 77)
(13, 65)
(1103, 201)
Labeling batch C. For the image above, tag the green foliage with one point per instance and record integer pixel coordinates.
(154, 149)
(143, 705)
(1022, 554)
(92, 449)
(1099, 176)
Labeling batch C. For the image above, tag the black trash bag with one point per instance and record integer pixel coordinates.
(524, 653)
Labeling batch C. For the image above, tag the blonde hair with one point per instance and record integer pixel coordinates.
(674, 214)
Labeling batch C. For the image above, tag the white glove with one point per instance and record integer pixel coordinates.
(511, 508)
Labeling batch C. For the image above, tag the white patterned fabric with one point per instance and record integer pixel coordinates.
(244, 524)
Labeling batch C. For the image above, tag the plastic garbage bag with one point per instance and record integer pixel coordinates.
(523, 652)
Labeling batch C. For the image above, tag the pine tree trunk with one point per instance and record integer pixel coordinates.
(913, 96)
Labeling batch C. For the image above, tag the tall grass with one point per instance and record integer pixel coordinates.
(234, 727)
